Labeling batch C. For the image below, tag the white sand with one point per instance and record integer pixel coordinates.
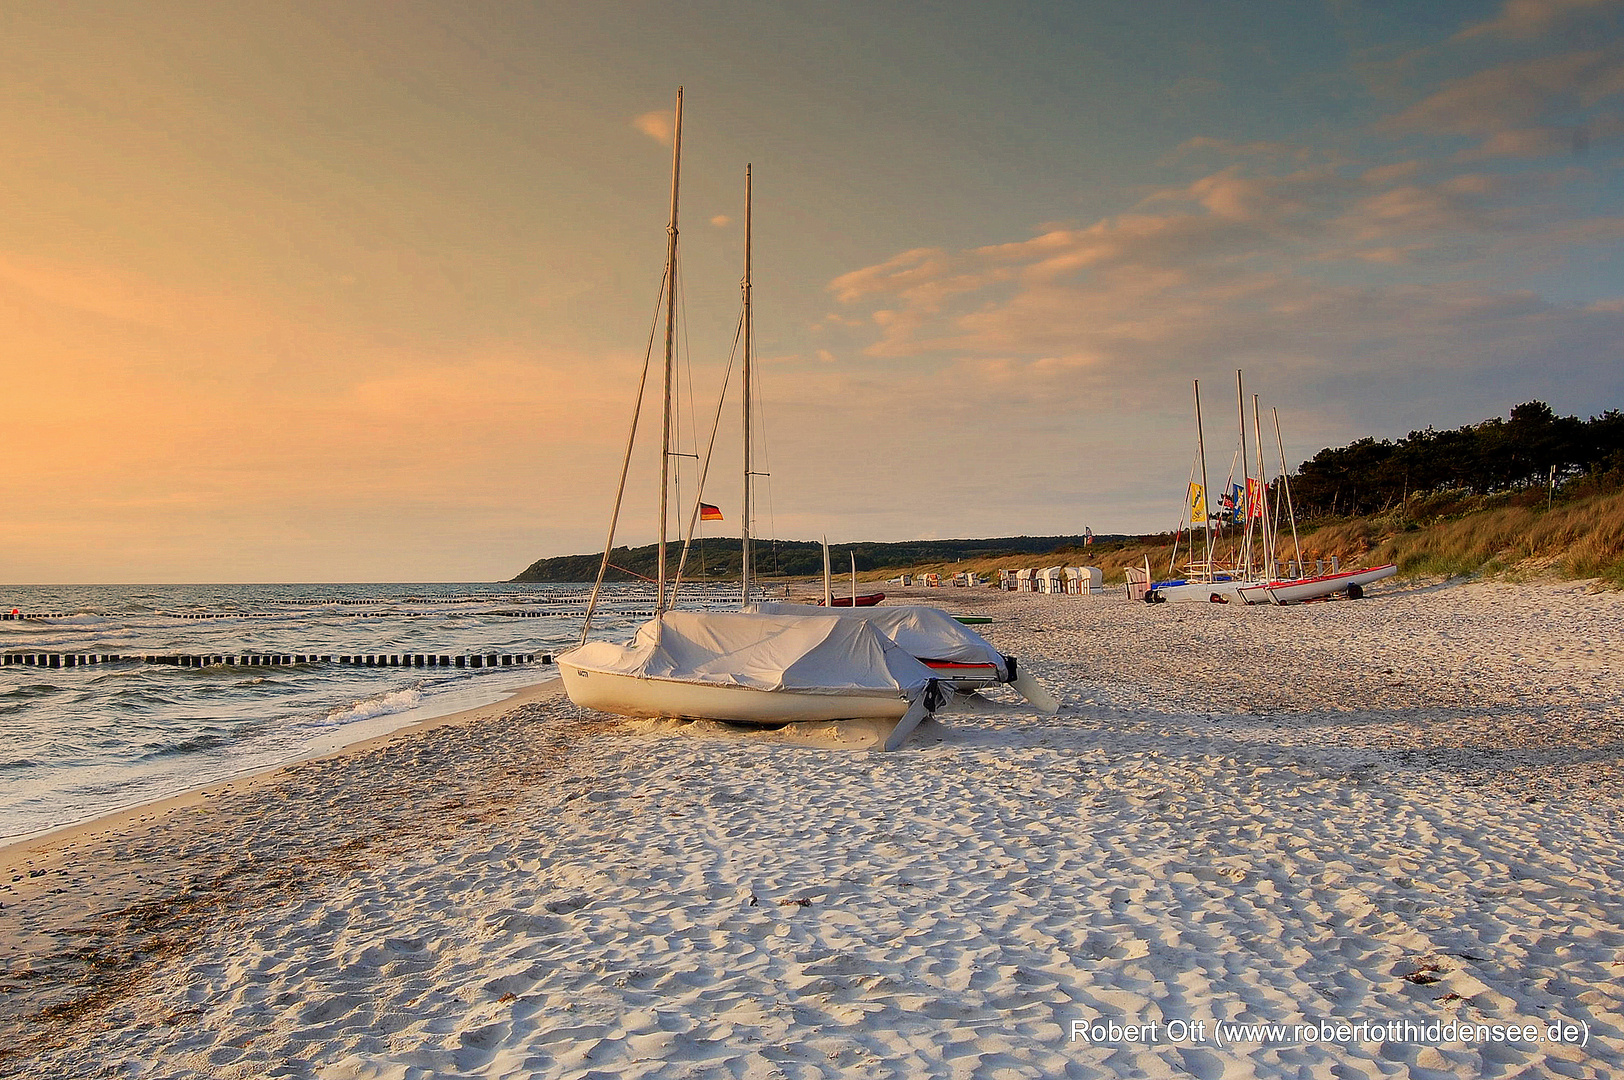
(1258, 815)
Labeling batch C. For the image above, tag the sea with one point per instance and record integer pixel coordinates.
(79, 742)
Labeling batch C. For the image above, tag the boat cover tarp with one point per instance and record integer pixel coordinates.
(926, 632)
(816, 655)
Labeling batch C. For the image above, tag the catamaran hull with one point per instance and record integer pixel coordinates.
(1191, 592)
(628, 695)
(1295, 592)
(1271, 592)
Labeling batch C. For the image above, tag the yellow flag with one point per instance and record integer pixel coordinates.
(1198, 504)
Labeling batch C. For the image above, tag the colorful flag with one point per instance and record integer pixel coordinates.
(707, 512)
(1254, 497)
(1198, 504)
(1088, 536)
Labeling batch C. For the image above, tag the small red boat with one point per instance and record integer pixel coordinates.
(862, 601)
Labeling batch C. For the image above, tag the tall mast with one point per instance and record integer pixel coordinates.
(828, 580)
(1246, 480)
(744, 577)
(1201, 446)
(1266, 532)
(670, 344)
(1285, 484)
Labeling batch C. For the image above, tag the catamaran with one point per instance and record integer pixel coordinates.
(1207, 581)
(747, 667)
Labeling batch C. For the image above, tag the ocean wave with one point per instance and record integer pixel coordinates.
(32, 690)
(391, 701)
(166, 748)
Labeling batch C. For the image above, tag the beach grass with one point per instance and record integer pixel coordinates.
(1445, 534)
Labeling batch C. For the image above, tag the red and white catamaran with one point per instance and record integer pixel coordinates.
(1249, 582)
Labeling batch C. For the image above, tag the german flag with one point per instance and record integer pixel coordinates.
(707, 512)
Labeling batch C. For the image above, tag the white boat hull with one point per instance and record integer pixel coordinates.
(1295, 592)
(629, 695)
(1272, 592)
(1192, 592)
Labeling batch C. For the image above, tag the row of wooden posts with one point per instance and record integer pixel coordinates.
(16, 616)
(387, 660)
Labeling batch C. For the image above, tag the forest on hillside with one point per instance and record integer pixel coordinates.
(1531, 448)
(1371, 475)
(720, 557)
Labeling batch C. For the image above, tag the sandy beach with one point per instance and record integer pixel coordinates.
(1400, 813)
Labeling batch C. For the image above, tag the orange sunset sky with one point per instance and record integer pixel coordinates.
(359, 292)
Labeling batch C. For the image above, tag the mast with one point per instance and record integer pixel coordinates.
(1285, 484)
(1246, 480)
(744, 577)
(1201, 447)
(670, 343)
(1266, 534)
(828, 583)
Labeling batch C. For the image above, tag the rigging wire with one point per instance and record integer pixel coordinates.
(625, 466)
(1172, 560)
(766, 453)
(680, 353)
(704, 470)
(693, 413)
(1235, 504)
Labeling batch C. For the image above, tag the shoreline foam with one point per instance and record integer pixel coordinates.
(358, 733)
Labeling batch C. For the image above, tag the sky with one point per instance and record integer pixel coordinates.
(362, 292)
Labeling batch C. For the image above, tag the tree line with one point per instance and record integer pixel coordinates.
(1371, 475)
(720, 557)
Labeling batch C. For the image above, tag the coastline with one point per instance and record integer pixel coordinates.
(115, 818)
(114, 876)
(1403, 807)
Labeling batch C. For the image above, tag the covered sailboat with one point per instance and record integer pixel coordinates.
(958, 656)
(748, 667)
(743, 667)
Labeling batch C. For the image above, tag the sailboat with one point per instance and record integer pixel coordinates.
(745, 667)
(1208, 582)
(956, 655)
(960, 658)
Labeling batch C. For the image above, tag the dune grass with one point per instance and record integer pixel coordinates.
(1447, 534)
(1578, 538)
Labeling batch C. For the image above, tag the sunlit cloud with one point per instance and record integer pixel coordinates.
(1521, 108)
(1236, 268)
(1534, 18)
(278, 303)
(658, 125)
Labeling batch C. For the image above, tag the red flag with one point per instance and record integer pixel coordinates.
(707, 512)
(1254, 498)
